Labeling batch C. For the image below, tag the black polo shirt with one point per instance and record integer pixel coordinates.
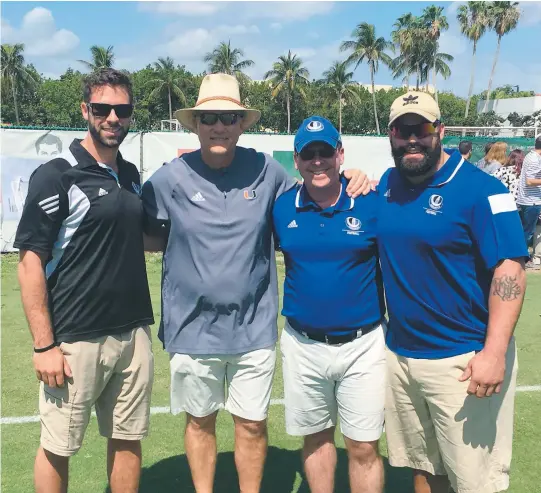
(88, 220)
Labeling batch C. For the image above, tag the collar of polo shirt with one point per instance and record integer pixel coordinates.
(344, 203)
(444, 175)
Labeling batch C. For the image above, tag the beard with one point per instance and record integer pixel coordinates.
(109, 141)
(409, 167)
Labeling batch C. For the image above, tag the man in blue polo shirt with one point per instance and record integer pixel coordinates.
(332, 345)
(452, 258)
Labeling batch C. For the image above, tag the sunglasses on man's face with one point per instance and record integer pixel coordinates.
(310, 153)
(420, 130)
(212, 118)
(101, 110)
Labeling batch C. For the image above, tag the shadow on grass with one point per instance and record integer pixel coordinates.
(281, 468)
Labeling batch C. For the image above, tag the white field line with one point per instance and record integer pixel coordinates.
(18, 420)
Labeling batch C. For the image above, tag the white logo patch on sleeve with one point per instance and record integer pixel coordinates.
(503, 202)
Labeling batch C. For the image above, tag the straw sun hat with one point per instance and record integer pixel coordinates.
(218, 92)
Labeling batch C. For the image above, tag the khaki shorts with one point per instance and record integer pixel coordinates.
(433, 425)
(199, 383)
(322, 382)
(113, 372)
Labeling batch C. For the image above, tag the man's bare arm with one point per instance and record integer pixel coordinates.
(34, 297)
(486, 370)
(533, 181)
(504, 304)
(51, 365)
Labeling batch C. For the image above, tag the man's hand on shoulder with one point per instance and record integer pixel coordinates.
(358, 183)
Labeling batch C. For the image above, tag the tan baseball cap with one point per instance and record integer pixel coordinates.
(417, 102)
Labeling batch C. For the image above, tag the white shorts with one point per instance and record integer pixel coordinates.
(322, 381)
(198, 383)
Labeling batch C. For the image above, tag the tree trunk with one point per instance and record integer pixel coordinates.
(339, 114)
(487, 99)
(170, 107)
(434, 75)
(470, 91)
(14, 92)
(418, 77)
(374, 98)
(288, 114)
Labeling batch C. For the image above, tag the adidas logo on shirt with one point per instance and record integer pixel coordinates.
(293, 224)
(50, 204)
(198, 197)
(102, 192)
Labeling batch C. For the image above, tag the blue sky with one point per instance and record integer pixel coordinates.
(57, 34)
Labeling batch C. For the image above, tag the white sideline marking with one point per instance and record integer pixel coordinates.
(19, 420)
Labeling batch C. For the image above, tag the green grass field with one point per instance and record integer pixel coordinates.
(165, 465)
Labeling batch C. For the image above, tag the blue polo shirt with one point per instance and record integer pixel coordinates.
(333, 282)
(439, 243)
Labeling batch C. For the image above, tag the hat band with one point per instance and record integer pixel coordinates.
(219, 98)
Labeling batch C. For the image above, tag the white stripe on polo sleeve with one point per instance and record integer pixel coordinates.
(502, 202)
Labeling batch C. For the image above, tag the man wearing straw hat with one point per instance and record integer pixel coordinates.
(219, 286)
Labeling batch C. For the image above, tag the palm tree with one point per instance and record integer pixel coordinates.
(167, 80)
(339, 83)
(435, 22)
(101, 58)
(14, 72)
(225, 60)
(289, 76)
(474, 21)
(503, 17)
(436, 62)
(403, 37)
(367, 47)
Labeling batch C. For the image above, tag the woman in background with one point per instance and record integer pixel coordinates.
(509, 173)
(496, 157)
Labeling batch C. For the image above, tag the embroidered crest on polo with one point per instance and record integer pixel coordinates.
(435, 203)
(249, 194)
(315, 126)
(354, 226)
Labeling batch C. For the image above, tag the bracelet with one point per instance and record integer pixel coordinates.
(44, 349)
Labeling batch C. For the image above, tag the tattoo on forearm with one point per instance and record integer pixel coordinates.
(506, 287)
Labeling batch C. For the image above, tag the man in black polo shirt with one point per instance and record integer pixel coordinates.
(85, 293)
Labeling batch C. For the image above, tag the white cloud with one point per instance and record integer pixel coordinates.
(276, 26)
(186, 8)
(39, 34)
(195, 43)
(453, 44)
(531, 13)
(304, 53)
(286, 11)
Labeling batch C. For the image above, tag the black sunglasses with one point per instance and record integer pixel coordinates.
(212, 118)
(420, 130)
(102, 110)
(324, 152)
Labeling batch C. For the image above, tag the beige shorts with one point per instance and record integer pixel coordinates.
(114, 373)
(199, 383)
(322, 382)
(433, 425)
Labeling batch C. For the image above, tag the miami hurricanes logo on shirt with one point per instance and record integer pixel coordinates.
(249, 194)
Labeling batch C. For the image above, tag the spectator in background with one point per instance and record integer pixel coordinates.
(482, 162)
(495, 157)
(509, 173)
(465, 149)
(529, 196)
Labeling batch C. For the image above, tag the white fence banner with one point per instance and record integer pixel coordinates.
(371, 154)
(22, 151)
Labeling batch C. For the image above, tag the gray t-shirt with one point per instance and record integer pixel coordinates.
(219, 286)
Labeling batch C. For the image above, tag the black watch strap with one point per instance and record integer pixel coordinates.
(44, 349)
